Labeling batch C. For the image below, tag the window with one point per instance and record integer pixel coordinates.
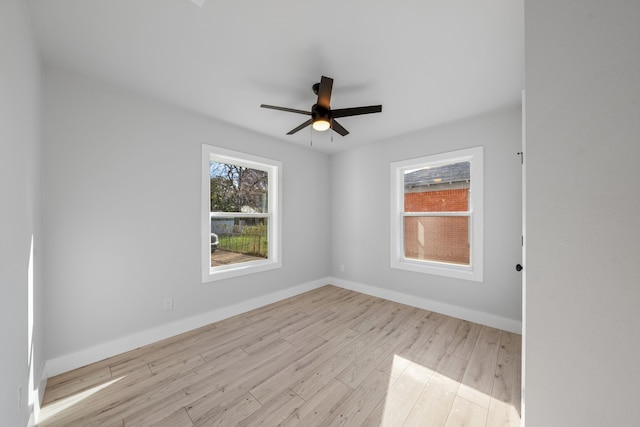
(436, 214)
(240, 214)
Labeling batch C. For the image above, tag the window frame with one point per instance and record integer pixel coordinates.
(474, 271)
(274, 203)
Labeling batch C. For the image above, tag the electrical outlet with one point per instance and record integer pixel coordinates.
(342, 268)
(167, 304)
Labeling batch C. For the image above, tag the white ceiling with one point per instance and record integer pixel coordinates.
(426, 61)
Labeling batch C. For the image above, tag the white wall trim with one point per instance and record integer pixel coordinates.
(102, 351)
(487, 319)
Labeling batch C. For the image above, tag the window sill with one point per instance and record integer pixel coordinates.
(439, 269)
(228, 272)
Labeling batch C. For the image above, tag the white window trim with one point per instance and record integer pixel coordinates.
(274, 168)
(474, 271)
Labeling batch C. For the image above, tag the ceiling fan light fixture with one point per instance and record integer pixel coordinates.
(321, 124)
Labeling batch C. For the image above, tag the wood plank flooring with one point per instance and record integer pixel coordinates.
(329, 357)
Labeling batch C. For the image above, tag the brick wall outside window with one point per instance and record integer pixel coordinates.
(443, 239)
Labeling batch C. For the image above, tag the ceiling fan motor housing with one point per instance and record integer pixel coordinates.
(320, 113)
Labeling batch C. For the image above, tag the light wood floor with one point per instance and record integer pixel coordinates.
(329, 357)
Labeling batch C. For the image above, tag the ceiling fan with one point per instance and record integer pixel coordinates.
(322, 116)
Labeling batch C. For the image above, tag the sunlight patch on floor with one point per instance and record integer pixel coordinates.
(419, 396)
(62, 405)
(408, 380)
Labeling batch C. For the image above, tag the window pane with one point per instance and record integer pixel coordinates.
(244, 190)
(238, 240)
(438, 189)
(437, 238)
(237, 188)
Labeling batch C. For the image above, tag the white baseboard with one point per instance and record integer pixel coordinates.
(487, 319)
(102, 351)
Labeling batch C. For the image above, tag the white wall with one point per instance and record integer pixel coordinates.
(122, 214)
(121, 217)
(360, 219)
(583, 196)
(19, 211)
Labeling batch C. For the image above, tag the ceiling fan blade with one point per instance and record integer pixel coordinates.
(290, 110)
(356, 111)
(302, 126)
(337, 127)
(324, 92)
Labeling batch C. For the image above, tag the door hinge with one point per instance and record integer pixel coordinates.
(521, 154)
